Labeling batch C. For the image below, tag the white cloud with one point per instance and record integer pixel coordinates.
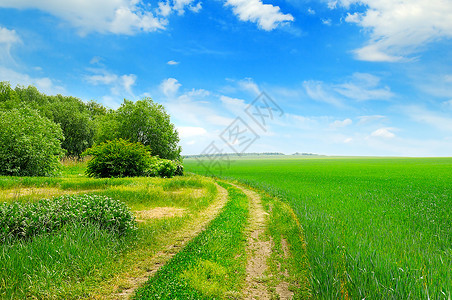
(340, 124)
(448, 104)
(234, 105)
(8, 38)
(170, 87)
(165, 8)
(189, 132)
(399, 28)
(267, 16)
(196, 8)
(119, 84)
(311, 11)
(332, 4)
(172, 63)
(363, 86)
(319, 91)
(128, 81)
(43, 84)
(370, 119)
(441, 121)
(384, 133)
(327, 22)
(107, 16)
(249, 85)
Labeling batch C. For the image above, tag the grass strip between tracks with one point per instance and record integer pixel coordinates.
(212, 265)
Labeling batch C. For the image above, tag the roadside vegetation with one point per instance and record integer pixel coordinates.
(374, 228)
(78, 251)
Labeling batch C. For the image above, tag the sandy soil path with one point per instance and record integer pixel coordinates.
(259, 251)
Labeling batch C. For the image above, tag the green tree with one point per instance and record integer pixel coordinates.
(75, 121)
(8, 96)
(76, 118)
(146, 122)
(30, 144)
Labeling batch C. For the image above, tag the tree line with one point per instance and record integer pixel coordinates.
(29, 118)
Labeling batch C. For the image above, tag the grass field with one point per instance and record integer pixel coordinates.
(375, 228)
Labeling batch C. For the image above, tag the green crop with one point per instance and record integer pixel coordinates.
(375, 228)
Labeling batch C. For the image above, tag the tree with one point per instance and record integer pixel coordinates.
(75, 118)
(145, 122)
(75, 121)
(8, 96)
(30, 144)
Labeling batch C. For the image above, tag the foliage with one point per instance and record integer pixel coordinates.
(118, 158)
(30, 145)
(76, 119)
(83, 124)
(162, 167)
(145, 122)
(47, 215)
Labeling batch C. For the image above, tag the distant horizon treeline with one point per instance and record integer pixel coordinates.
(248, 154)
(85, 123)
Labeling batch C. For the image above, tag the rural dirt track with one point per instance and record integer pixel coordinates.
(259, 251)
(182, 238)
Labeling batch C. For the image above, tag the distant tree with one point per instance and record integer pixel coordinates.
(146, 122)
(30, 144)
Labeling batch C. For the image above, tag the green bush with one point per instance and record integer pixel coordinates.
(31, 219)
(164, 168)
(30, 145)
(118, 158)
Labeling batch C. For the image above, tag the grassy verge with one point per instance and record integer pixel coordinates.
(50, 265)
(212, 265)
(288, 263)
(86, 261)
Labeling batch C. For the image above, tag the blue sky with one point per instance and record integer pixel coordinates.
(352, 77)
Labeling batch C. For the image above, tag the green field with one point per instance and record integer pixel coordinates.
(375, 228)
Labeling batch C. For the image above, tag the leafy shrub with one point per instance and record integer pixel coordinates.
(164, 168)
(118, 158)
(167, 168)
(30, 145)
(30, 219)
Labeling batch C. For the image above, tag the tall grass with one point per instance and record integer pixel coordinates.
(57, 265)
(375, 228)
